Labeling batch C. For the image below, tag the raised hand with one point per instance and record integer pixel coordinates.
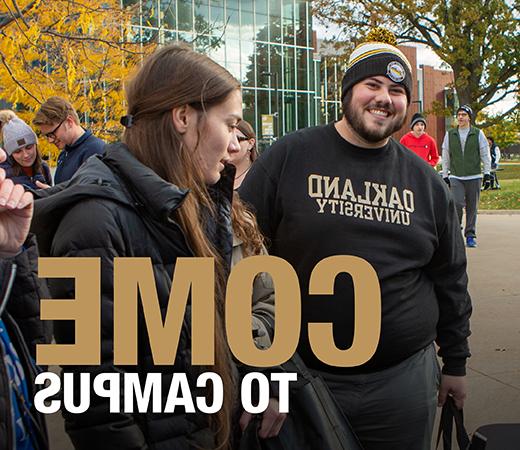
(16, 209)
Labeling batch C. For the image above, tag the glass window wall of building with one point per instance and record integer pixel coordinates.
(266, 44)
(331, 72)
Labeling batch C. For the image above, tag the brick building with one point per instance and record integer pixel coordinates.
(430, 85)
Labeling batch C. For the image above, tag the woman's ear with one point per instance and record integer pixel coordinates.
(182, 117)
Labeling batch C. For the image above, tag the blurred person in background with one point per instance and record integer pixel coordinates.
(464, 149)
(58, 121)
(24, 164)
(420, 142)
(494, 151)
(244, 156)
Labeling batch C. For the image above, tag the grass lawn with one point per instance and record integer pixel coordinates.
(508, 197)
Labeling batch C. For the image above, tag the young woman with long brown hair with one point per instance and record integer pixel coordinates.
(163, 193)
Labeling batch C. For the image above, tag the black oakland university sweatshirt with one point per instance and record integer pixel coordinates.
(316, 195)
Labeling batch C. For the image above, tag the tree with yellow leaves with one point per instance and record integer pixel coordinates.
(79, 49)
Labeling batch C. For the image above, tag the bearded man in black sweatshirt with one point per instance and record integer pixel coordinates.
(347, 188)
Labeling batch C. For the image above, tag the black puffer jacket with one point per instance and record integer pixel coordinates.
(115, 206)
(20, 293)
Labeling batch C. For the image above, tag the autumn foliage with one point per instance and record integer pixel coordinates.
(82, 50)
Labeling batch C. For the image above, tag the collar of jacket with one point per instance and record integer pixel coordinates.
(78, 141)
(147, 189)
(224, 187)
(472, 130)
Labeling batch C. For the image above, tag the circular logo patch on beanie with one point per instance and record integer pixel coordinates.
(395, 71)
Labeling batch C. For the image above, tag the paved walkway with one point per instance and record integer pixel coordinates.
(494, 369)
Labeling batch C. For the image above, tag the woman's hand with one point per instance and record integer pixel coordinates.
(272, 420)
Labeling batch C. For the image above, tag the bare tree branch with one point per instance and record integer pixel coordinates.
(8, 18)
(121, 45)
(500, 98)
(19, 13)
(498, 118)
(89, 8)
(4, 62)
(15, 19)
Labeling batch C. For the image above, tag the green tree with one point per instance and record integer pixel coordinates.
(479, 39)
(506, 132)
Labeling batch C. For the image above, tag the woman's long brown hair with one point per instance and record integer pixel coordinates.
(172, 77)
(245, 227)
(36, 167)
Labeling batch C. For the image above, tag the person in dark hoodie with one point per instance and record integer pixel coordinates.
(21, 426)
(58, 121)
(163, 193)
(24, 164)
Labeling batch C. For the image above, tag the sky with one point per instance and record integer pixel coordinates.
(428, 57)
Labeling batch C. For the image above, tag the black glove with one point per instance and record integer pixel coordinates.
(487, 182)
(447, 181)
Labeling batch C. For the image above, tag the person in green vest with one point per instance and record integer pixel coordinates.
(463, 150)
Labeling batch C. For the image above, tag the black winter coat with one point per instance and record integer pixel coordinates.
(114, 206)
(20, 293)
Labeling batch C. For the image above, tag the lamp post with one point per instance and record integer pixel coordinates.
(420, 105)
(277, 101)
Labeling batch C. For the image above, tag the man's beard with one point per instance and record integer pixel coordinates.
(355, 119)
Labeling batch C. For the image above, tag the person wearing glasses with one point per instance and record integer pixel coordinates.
(58, 121)
(24, 164)
(243, 157)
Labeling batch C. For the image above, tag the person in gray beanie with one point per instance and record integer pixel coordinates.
(24, 164)
(463, 150)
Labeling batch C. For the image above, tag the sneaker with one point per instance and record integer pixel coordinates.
(471, 242)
